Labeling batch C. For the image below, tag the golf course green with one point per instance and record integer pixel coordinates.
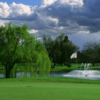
(48, 89)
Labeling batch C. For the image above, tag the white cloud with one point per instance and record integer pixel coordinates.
(55, 20)
(53, 17)
(72, 2)
(14, 10)
(4, 10)
(46, 3)
(83, 32)
(32, 31)
(20, 9)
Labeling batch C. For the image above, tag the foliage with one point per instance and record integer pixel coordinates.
(18, 46)
(60, 49)
(90, 52)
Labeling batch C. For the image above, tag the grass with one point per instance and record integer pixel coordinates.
(51, 79)
(49, 89)
(59, 68)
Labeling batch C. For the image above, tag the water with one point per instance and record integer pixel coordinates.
(21, 74)
(84, 74)
(81, 74)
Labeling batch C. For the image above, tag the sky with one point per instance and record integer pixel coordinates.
(25, 2)
(79, 19)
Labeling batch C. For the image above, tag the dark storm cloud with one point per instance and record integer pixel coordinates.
(86, 15)
(56, 16)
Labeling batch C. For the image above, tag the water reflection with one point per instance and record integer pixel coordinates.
(85, 74)
(21, 74)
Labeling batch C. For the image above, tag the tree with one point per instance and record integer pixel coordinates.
(18, 46)
(81, 57)
(60, 49)
(91, 51)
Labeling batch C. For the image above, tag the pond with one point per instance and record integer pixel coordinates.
(81, 74)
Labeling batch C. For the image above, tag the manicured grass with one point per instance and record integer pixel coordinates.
(51, 79)
(48, 89)
(59, 68)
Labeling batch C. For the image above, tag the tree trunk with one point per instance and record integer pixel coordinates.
(8, 70)
(93, 64)
(7, 74)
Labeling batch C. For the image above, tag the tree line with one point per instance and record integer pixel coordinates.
(18, 46)
(61, 49)
(90, 53)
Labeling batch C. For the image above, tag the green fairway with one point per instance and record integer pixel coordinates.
(41, 89)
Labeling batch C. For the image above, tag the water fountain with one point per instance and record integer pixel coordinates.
(87, 73)
(84, 72)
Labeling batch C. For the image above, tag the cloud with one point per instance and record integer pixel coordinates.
(72, 12)
(76, 15)
(82, 38)
(4, 10)
(17, 11)
(33, 31)
(2, 22)
(54, 17)
(46, 3)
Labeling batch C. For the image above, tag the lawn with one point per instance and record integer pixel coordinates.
(59, 68)
(48, 89)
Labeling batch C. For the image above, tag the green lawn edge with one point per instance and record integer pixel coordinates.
(51, 79)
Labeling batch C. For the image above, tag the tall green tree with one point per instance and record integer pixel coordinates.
(60, 49)
(91, 51)
(18, 46)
